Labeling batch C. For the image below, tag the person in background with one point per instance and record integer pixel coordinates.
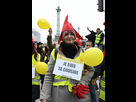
(88, 44)
(100, 71)
(99, 39)
(36, 79)
(91, 37)
(40, 51)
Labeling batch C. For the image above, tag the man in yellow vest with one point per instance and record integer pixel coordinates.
(36, 77)
(99, 38)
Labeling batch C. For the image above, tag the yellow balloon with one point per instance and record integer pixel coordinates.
(93, 56)
(41, 67)
(43, 23)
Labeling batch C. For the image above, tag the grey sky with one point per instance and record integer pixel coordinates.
(81, 13)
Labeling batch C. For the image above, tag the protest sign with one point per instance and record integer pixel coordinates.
(69, 68)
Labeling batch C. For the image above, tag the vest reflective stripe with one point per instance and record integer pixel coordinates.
(73, 81)
(36, 74)
(62, 81)
(103, 78)
(102, 88)
(59, 80)
(36, 79)
(98, 38)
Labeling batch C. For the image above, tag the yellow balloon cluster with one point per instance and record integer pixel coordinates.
(41, 67)
(93, 56)
(43, 23)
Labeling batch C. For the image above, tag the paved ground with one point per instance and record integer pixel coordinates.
(96, 91)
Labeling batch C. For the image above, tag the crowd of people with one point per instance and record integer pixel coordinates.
(55, 88)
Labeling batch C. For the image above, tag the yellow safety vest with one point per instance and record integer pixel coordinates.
(102, 88)
(98, 38)
(62, 81)
(36, 79)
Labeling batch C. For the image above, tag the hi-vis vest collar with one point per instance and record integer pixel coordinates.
(58, 52)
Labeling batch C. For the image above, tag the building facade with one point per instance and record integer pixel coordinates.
(36, 35)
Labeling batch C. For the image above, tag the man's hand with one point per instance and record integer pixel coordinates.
(88, 28)
(94, 81)
(50, 32)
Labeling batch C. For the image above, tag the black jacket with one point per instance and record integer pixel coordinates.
(41, 52)
(91, 36)
(50, 45)
(99, 69)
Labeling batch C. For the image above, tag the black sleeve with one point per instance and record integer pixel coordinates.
(42, 78)
(92, 32)
(49, 39)
(87, 36)
(103, 67)
(99, 70)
